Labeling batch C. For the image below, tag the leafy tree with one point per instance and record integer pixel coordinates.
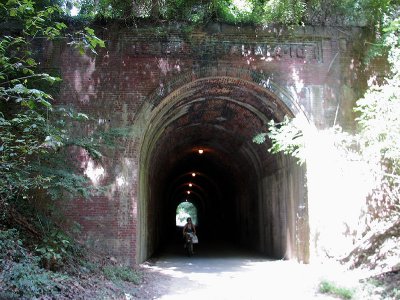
(380, 122)
(286, 12)
(32, 130)
(375, 144)
(288, 137)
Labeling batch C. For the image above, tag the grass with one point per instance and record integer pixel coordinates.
(121, 273)
(328, 287)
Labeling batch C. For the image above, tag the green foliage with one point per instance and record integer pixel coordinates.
(23, 277)
(115, 9)
(375, 146)
(195, 12)
(29, 280)
(54, 249)
(11, 246)
(32, 130)
(35, 20)
(288, 136)
(328, 287)
(344, 12)
(379, 122)
(85, 40)
(190, 11)
(116, 273)
(237, 11)
(260, 138)
(89, 266)
(19, 271)
(284, 12)
(33, 157)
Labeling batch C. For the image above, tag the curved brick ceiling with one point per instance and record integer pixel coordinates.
(221, 117)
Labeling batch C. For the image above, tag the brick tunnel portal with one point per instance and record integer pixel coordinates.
(256, 199)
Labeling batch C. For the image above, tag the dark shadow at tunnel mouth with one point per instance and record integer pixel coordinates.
(208, 250)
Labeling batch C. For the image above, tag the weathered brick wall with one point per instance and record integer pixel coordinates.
(316, 68)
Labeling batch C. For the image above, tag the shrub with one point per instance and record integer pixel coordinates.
(20, 272)
(27, 279)
(327, 287)
(11, 246)
(54, 249)
(115, 273)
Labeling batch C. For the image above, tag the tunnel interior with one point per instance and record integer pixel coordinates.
(243, 193)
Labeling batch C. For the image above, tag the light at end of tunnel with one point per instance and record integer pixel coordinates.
(201, 151)
(193, 174)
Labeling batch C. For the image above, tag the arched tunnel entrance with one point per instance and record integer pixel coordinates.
(257, 199)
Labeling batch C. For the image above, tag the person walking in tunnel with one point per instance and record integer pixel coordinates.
(189, 233)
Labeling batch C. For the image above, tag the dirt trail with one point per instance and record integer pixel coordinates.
(221, 274)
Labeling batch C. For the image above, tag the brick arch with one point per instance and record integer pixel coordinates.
(220, 108)
(260, 80)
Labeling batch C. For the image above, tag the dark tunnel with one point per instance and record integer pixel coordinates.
(212, 191)
(256, 199)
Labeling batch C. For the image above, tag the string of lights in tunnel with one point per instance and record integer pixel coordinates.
(188, 192)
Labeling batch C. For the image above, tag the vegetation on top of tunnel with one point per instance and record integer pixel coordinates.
(260, 12)
(374, 146)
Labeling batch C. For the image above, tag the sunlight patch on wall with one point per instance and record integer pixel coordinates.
(298, 83)
(125, 173)
(120, 180)
(164, 66)
(338, 183)
(83, 81)
(95, 173)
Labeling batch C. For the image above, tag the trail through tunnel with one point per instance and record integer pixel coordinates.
(258, 200)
